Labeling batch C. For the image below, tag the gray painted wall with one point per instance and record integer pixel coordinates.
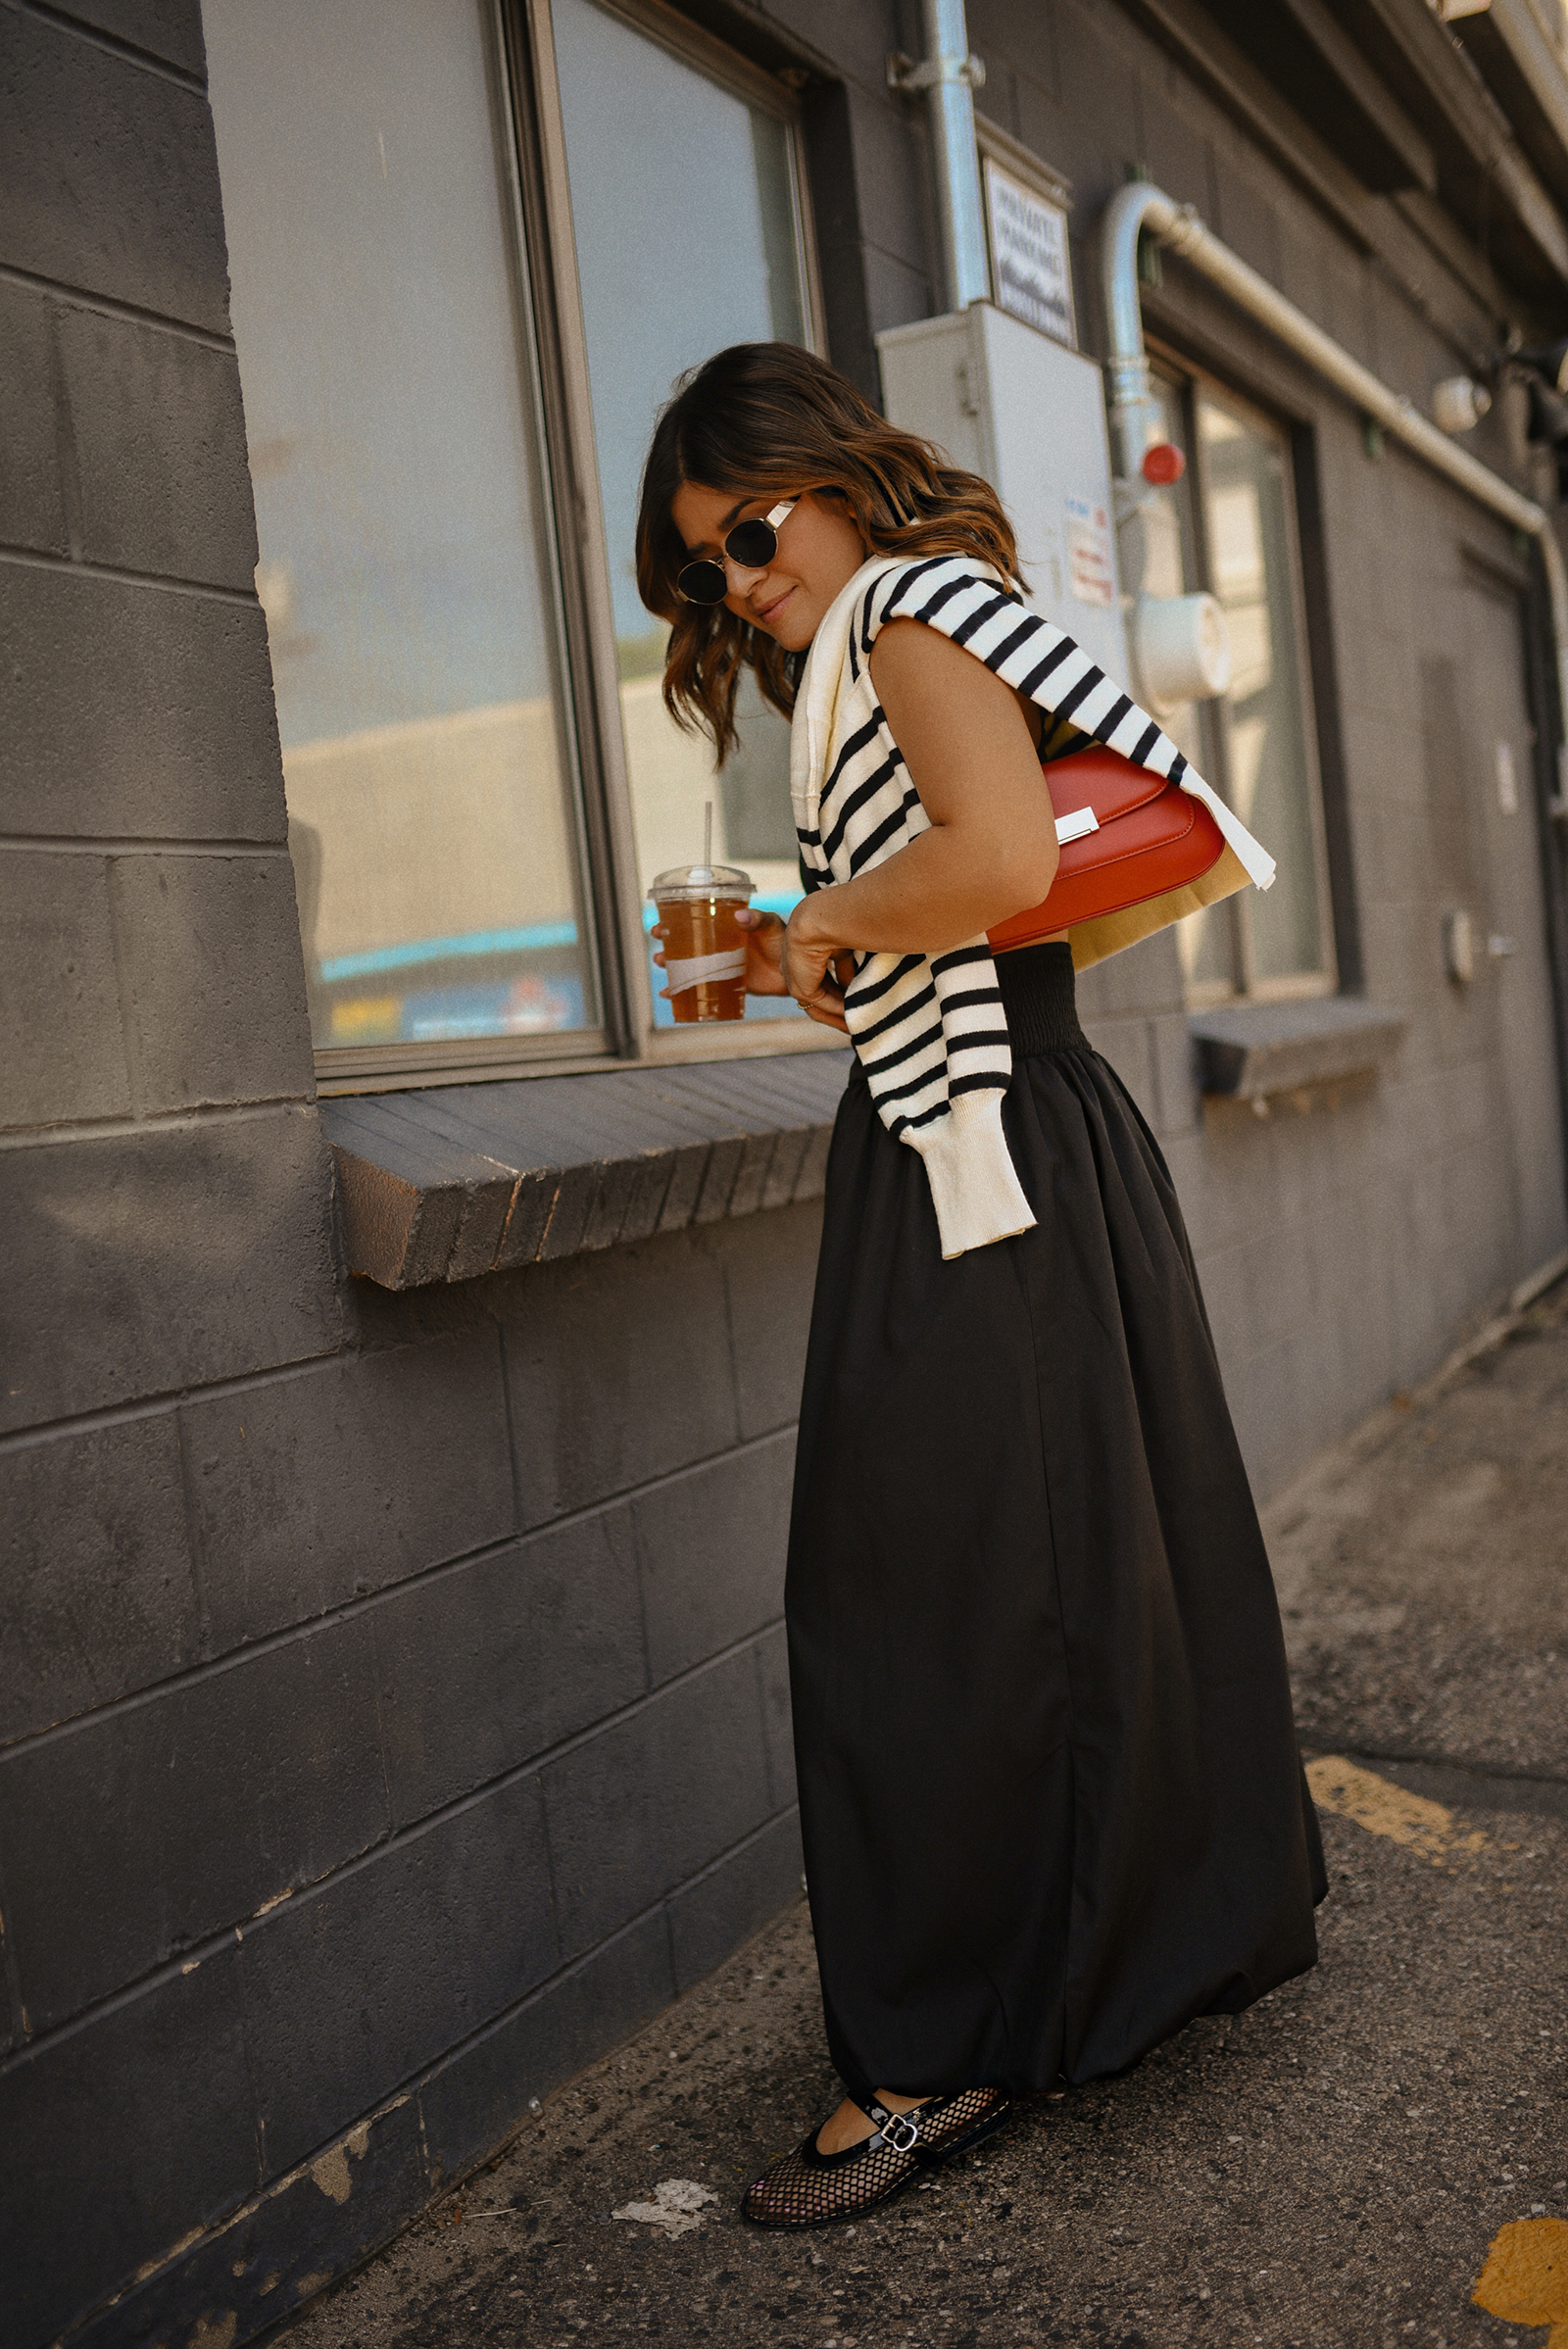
(391, 1691)
(1341, 1247)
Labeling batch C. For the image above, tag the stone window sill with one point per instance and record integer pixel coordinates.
(467, 1179)
(1247, 1052)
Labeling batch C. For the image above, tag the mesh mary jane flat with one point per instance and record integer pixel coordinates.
(809, 2188)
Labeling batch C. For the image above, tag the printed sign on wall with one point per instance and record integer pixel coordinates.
(1030, 270)
(1090, 563)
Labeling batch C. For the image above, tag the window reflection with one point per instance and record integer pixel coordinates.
(405, 565)
(1251, 561)
(1205, 942)
(706, 254)
(1228, 526)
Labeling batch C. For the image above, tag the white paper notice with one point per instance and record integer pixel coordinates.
(1029, 260)
(1090, 563)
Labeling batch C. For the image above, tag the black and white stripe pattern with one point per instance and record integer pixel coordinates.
(930, 1030)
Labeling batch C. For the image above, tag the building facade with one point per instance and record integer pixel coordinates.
(403, 1318)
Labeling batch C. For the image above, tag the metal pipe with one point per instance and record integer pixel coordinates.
(1135, 416)
(1135, 419)
(947, 74)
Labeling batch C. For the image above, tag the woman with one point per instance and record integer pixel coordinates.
(1050, 1792)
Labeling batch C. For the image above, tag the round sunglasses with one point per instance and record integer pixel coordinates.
(753, 545)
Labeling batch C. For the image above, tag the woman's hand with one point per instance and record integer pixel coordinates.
(817, 964)
(764, 951)
(791, 958)
(777, 962)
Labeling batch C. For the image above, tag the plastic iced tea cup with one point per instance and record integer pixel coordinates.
(704, 948)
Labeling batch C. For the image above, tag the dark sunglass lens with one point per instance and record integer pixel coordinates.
(702, 582)
(753, 544)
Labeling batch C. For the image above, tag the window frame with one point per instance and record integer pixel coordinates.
(546, 291)
(1186, 378)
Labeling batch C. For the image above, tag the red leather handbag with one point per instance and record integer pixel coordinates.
(1126, 836)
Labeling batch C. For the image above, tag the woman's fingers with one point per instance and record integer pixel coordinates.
(764, 951)
(818, 996)
(811, 971)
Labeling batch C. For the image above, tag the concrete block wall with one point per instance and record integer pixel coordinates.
(408, 1724)
(392, 1707)
(135, 848)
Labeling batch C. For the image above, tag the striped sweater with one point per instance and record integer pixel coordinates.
(930, 1031)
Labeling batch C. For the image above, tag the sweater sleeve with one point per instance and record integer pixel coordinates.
(930, 1032)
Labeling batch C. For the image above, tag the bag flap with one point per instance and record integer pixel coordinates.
(1102, 780)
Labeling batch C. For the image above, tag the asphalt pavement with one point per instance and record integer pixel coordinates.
(1346, 2164)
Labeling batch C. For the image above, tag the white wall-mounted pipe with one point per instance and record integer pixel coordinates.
(948, 75)
(1134, 418)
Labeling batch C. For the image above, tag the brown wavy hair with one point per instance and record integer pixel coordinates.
(767, 419)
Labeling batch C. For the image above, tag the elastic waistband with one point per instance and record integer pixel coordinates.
(1038, 998)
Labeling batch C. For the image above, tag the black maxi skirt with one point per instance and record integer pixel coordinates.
(1050, 1796)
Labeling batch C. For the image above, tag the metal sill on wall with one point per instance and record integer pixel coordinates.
(1249, 1052)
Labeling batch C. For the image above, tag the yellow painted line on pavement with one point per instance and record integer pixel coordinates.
(1385, 1809)
(1526, 2276)
(1525, 2279)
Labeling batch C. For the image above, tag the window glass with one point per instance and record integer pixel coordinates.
(1205, 942)
(404, 564)
(1252, 563)
(683, 207)
(1229, 526)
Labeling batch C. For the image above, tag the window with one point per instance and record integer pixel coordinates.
(406, 560)
(418, 300)
(1230, 527)
(711, 252)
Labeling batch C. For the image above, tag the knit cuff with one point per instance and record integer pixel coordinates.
(974, 1185)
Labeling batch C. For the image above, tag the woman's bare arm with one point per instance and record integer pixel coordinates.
(992, 847)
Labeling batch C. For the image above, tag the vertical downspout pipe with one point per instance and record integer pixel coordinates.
(948, 75)
(1135, 417)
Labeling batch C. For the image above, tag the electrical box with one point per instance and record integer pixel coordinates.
(1029, 415)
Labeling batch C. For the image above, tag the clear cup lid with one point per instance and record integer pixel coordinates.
(687, 884)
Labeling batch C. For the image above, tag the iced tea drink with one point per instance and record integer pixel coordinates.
(704, 950)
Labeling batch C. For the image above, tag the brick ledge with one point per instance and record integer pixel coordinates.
(468, 1179)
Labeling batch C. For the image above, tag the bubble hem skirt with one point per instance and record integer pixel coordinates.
(1050, 1796)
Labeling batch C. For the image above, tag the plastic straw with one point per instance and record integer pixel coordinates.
(707, 832)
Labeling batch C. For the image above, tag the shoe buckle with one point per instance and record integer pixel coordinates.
(900, 2131)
